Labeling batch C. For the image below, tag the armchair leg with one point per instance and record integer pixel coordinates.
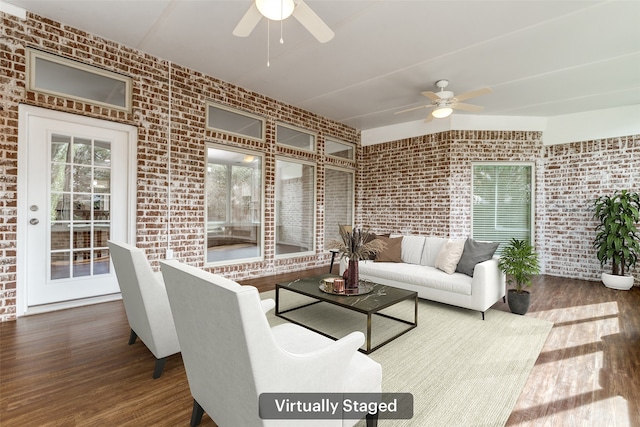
(157, 371)
(132, 337)
(333, 257)
(483, 315)
(196, 414)
(504, 298)
(372, 420)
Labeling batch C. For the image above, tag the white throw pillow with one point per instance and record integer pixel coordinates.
(449, 255)
(412, 247)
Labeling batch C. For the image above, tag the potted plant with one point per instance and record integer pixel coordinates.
(356, 245)
(519, 262)
(617, 236)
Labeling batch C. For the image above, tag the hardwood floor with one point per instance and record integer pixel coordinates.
(74, 367)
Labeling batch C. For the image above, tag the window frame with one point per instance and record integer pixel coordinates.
(313, 135)
(353, 203)
(261, 241)
(314, 197)
(31, 58)
(532, 200)
(257, 118)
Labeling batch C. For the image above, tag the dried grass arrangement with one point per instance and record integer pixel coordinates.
(357, 244)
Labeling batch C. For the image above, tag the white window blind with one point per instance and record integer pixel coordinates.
(502, 206)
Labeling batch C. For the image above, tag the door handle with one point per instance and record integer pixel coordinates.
(34, 221)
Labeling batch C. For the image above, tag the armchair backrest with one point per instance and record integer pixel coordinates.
(145, 299)
(231, 354)
(223, 335)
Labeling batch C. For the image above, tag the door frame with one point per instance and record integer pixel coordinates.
(25, 113)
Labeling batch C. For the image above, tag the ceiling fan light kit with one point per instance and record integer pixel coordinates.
(279, 10)
(276, 10)
(442, 112)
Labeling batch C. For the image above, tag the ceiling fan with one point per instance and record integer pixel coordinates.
(444, 102)
(279, 10)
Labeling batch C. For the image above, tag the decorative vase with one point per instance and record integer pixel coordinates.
(621, 283)
(352, 274)
(519, 301)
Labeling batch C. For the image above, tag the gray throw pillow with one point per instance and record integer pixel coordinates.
(475, 252)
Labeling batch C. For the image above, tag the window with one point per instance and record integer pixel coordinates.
(60, 76)
(234, 205)
(296, 138)
(339, 149)
(235, 122)
(339, 199)
(295, 207)
(502, 206)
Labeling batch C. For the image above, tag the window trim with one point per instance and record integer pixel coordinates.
(315, 209)
(261, 119)
(313, 149)
(338, 141)
(33, 54)
(262, 155)
(532, 209)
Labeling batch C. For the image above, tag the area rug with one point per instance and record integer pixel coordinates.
(461, 370)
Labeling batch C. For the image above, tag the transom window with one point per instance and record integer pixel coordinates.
(296, 138)
(235, 122)
(343, 150)
(502, 206)
(60, 76)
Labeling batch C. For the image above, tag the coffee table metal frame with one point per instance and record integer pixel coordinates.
(309, 287)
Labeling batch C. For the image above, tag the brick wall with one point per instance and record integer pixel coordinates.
(574, 175)
(423, 186)
(182, 186)
(418, 185)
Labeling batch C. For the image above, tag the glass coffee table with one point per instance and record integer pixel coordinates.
(391, 311)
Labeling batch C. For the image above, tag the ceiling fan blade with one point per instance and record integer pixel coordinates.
(412, 109)
(473, 94)
(431, 95)
(248, 22)
(312, 22)
(467, 107)
(429, 118)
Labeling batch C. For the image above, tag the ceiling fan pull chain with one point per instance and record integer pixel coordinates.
(268, 44)
(281, 21)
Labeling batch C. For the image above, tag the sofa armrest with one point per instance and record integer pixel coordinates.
(488, 284)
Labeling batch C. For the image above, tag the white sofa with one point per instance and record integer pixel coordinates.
(417, 272)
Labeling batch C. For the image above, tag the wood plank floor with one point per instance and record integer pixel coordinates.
(74, 367)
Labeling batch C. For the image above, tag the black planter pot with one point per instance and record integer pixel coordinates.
(518, 301)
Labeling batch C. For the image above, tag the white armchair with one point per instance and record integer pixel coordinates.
(145, 302)
(232, 355)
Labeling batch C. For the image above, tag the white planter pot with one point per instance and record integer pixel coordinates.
(622, 283)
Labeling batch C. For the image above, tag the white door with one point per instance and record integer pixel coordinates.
(77, 196)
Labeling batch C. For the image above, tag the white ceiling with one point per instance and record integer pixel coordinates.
(541, 58)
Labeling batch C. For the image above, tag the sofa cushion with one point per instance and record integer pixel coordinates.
(392, 251)
(475, 252)
(418, 275)
(432, 246)
(449, 255)
(412, 247)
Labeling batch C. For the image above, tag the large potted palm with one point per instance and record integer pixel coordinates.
(519, 262)
(617, 237)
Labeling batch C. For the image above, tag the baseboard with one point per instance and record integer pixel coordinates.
(45, 308)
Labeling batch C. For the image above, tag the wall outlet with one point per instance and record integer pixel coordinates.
(169, 254)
